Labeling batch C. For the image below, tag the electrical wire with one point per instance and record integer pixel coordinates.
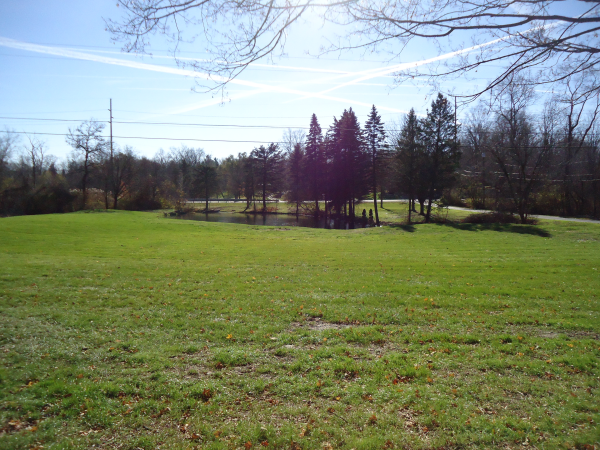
(155, 138)
(228, 125)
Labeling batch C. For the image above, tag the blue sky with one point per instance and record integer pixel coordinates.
(58, 63)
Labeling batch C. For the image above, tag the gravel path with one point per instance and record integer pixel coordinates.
(565, 219)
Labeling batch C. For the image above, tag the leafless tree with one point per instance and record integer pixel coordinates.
(475, 161)
(581, 106)
(290, 138)
(34, 154)
(558, 38)
(122, 172)
(520, 156)
(88, 144)
(8, 144)
(187, 160)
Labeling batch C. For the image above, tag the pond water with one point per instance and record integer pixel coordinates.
(273, 220)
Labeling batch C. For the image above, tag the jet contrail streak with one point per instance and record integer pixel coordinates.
(57, 51)
(410, 65)
(271, 66)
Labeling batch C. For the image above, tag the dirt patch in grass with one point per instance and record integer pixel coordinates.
(548, 334)
(316, 324)
(570, 334)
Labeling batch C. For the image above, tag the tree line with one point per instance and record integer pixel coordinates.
(500, 157)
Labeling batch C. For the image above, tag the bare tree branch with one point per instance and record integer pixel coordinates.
(558, 39)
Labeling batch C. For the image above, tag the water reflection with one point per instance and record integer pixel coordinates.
(273, 220)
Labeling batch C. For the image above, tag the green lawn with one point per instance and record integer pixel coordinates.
(128, 330)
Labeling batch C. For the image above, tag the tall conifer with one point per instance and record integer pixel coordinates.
(438, 134)
(350, 164)
(267, 162)
(375, 140)
(313, 167)
(408, 151)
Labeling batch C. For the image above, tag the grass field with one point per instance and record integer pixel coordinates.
(128, 330)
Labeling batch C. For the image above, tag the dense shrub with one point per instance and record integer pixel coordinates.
(140, 202)
(51, 197)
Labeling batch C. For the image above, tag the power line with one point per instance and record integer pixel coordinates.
(156, 138)
(156, 123)
(229, 125)
(61, 112)
(234, 117)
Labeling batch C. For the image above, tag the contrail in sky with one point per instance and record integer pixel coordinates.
(270, 66)
(57, 51)
(368, 75)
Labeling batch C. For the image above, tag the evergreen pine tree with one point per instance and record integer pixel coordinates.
(375, 140)
(438, 134)
(313, 162)
(268, 171)
(352, 163)
(408, 154)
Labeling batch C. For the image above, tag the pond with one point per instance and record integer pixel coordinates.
(272, 220)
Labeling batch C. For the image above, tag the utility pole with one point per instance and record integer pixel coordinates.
(111, 141)
(111, 167)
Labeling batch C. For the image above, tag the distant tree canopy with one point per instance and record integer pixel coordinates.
(503, 157)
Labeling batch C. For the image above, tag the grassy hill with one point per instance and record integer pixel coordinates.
(129, 330)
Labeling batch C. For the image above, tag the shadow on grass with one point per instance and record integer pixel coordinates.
(501, 227)
(409, 228)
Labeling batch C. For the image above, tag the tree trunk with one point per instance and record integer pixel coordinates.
(106, 196)
(84, 188)
(429, 202)
(375, 200)
(428, 213)
(206, 193)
